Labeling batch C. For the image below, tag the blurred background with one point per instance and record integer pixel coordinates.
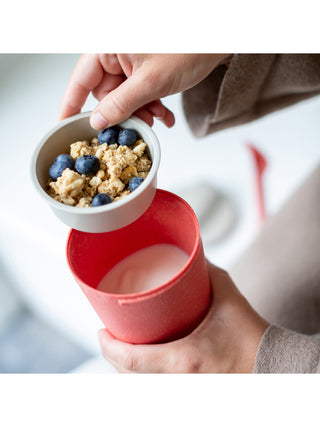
(46, 323)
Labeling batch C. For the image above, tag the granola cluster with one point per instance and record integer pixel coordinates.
(118, 165)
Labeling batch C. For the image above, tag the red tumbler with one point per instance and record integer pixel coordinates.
(166, 312)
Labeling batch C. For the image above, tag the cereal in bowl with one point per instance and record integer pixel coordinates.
(98, 172)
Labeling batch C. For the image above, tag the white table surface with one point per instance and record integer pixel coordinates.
(33, 240)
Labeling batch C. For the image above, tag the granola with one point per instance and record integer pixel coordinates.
(118, 165)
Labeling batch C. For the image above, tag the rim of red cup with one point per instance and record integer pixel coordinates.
(157, 289)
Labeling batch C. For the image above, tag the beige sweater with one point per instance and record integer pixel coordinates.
(284, 351)
(249, 87)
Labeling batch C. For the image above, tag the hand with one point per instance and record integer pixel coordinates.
(127, 84)
(225, 342)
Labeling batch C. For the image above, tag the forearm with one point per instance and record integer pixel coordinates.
(251, 86)
(284, 351)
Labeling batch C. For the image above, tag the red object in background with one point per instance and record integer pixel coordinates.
(260, 164)
(161, 314)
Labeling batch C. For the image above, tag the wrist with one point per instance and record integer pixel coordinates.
(247, 336)
(250, 344)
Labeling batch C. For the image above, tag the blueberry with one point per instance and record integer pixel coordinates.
(127, 137)
(87, 165)
(108, 135)
(135, 182)
(101, 199)
(60, 163)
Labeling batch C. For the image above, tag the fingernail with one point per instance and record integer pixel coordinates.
(97, 121)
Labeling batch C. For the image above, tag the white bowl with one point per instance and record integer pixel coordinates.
(103, 218)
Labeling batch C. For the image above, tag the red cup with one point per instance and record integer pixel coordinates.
(161, 314)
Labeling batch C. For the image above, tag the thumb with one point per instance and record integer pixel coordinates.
(123, 101)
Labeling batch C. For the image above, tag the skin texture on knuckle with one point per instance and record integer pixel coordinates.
(187, 360)
(155, 80)
(118, 105)
(130, 362)
(110, 63)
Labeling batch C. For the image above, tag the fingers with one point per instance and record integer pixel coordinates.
(86, 76)
(111, 63)
(158, 110)
(108, 83)
(119, 97)
(123, 101)
(145, 115)
(133, 357)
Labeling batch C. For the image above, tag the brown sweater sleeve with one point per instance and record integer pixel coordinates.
(284, 351)
(251, 86)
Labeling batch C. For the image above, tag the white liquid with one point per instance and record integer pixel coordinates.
(144, 269)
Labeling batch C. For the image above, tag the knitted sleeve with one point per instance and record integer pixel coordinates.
(250, 86)
(284, 351)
